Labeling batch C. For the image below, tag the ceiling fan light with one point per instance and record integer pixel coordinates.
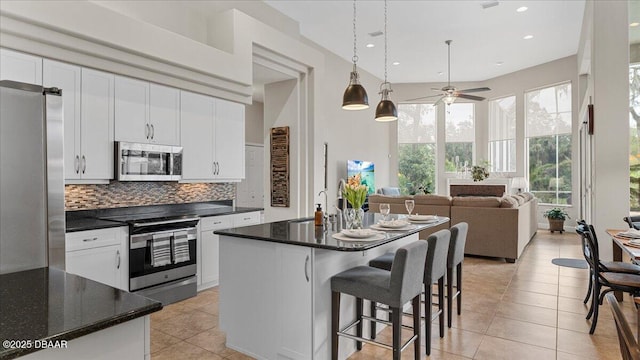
(449, 99)
(355, 96)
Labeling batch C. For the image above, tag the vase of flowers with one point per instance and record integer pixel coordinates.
(355, 193)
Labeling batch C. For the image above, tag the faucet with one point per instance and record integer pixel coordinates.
(326, 210)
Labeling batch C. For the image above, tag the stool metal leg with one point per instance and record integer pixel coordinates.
(335, 323)
(359, 302)
(396, 323)
(449, 295)
(373, 323)
(428, 295)
(441, 305)
(416, 326)
(459, 286)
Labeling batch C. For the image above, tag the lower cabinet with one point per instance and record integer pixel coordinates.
(99, 255)
(208, 244)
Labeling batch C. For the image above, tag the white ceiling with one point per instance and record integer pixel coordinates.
(417, 30)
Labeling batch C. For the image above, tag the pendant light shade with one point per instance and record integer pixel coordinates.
(355, 96)
(386, 110)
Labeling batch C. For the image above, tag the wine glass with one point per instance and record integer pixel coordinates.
(409, 204)
(384, 210)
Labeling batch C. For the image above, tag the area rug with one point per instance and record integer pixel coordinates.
(574, 263)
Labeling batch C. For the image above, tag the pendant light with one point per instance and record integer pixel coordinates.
(386, 110)
(355, 96)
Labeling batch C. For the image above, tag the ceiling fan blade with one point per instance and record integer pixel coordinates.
(474, 90)
(438, 101)
(423, 97)
(470, 97)
(436, 89)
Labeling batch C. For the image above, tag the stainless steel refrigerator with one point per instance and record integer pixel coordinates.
(32, 219)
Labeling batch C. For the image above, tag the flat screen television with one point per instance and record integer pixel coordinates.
(366, 171)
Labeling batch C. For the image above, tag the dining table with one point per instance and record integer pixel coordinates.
(621, 245)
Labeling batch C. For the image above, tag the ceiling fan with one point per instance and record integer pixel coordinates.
(450, 93)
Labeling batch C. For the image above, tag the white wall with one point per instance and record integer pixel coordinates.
(254, 123)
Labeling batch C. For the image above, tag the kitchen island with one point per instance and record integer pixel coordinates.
(46, 313)
(275, 294)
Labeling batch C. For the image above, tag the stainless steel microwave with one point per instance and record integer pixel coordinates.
(148, 162)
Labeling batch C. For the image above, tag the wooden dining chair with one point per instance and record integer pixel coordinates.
(628, 345)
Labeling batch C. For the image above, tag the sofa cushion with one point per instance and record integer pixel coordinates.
(389, 191)
(388, 199)
(527, 196)
(519, 198)
(508, 202)
(477, 201)
(429, 199)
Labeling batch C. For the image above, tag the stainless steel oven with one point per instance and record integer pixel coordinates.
(148, 162)
(162, 258)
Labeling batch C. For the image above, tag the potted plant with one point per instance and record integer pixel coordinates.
(556, 217)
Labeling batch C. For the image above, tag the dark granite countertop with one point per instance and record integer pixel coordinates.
(50, 304)
(82, 220)
(303, 232)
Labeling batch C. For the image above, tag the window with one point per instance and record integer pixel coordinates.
(459, 136)
(502, 134)
(634, 138)
(548, 132)
(416, 147)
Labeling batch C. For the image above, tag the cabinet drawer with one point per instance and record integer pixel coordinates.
(92, 239)
(216, 222)
(246, 219)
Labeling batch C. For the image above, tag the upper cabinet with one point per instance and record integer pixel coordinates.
(212, 137)
(88, 119)
(20, 67)
(146, 113)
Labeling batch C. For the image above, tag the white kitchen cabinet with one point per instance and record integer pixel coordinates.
(229, 140)
(164, 115)
(68, 78)
(208, 275)
(96, 126)
(88, 120)
(196, 132)
(146, 113)
(99, 255)
(208, 252)
(132, 110)
(212, 137)
(20, 67)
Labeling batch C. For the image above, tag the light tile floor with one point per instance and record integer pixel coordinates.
(528, 310)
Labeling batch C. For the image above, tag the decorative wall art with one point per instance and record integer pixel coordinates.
(280, 188)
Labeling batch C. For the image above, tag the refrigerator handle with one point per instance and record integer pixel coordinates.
(84, 164)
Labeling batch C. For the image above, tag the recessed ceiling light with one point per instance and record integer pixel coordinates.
(370, 45)
(528, 37)
(440, 73)
(499, 63)
(634, 24)
(522, 9)
(396, 63)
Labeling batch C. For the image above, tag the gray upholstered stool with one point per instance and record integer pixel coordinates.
(434, 270)
(454, 260)
(393, 288)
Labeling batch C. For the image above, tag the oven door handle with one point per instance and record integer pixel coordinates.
(164, 222)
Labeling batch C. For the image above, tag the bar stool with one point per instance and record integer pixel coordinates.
(434, 270)
(393, 288)
(454, 260)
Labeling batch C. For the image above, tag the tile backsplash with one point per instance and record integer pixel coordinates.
(133, 193)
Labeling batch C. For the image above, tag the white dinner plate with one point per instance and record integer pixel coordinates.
(359, 233)
(392, 224)
(424, 221)
(417, 217)
(342, 237)
(382, 228)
